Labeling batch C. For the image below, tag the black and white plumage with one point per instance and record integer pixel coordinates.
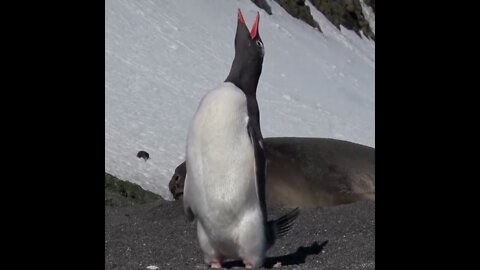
(226, 166)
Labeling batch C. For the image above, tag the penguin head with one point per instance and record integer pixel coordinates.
(249, 51)
(248, 44)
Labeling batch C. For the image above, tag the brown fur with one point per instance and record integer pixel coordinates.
(311, 172)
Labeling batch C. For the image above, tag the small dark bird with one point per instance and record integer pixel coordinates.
(143, 154)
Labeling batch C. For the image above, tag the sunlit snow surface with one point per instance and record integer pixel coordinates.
(161, 57)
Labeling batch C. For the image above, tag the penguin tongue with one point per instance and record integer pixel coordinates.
(253, 32)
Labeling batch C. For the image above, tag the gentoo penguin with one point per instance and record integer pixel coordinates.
(225, 185)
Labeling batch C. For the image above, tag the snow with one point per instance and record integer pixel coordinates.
(161, 57)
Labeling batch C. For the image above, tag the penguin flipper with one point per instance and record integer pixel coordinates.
(260, 163)
(279, 227)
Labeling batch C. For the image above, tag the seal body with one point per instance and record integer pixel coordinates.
(310, 172)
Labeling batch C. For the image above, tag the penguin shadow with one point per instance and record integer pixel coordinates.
(298, 257)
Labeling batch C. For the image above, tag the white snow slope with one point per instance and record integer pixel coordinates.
(161, 57)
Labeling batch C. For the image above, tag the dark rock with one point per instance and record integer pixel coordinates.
(263, 5)
(299, 10)
(347, 13)
(124, 193)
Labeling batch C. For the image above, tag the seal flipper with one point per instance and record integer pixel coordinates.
(189, 213)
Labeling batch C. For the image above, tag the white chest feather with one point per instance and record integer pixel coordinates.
(220, 156)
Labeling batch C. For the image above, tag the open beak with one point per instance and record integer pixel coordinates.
(254, 31)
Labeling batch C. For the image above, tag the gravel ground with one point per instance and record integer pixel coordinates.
(157, 234)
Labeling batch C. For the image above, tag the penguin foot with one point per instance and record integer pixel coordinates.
(216, 265)
(277, 265)
(248, 265)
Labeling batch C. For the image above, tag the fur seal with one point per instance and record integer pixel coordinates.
(310, 172)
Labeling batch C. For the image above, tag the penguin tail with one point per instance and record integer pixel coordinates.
(279, 227)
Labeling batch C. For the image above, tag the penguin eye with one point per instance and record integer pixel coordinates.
(260, 45)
